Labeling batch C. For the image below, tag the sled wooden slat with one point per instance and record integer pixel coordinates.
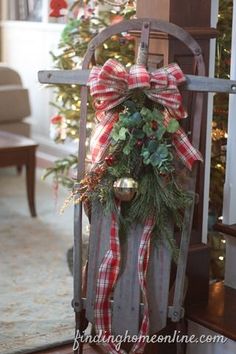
(182, 264)
(193, 83)
(126, 307)
(64, 77)
(158, 279)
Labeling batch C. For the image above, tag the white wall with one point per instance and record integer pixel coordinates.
(26, 47)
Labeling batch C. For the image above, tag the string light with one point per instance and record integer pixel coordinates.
(63, 134)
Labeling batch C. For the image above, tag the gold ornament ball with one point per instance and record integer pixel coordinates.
(125, 188)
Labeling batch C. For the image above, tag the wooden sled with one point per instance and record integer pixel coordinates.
(127, 302)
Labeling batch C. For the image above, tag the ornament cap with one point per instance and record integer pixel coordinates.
(126, 182)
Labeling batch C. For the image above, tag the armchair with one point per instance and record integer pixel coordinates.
(14, 103)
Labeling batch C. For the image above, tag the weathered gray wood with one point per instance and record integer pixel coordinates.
(193, 83)
(73, 77)
(126, 306)
(182, 263)
(208, 84)
(82, 133)
(142, 55)
(158, 279)
(155, 25)
(98, 246)
(77, 258)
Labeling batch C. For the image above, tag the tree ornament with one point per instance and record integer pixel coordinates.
(56, 119)
(56, 6)
(125, 188)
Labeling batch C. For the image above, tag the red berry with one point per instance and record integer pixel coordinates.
(139, 143)
(154, 125)
(109, 160)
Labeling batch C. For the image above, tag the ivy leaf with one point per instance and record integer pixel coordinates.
(115, 132)
(159, 156)
(138, 133)
(127, 149)
(147, 129)
(152, 146)
(136, 118)
(155, 159)
(123, 116)
(160, 132)
(122, 133)
(126, 123)
(158, 115)
(145, 153)
(170, 156)
(146, 161)
(115, 136)
(147, 114)
(173, 126)
(132, 141)
(162, 151)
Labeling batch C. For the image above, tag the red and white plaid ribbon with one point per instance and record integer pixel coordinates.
(143, 259)
(111, 84)
(107, 275)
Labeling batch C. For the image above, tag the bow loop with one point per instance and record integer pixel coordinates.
(108, 85)
(164, 89)
(111, 85)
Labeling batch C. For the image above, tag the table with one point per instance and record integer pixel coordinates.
(16, 150)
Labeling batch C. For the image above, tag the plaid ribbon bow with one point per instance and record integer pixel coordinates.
(111, 85)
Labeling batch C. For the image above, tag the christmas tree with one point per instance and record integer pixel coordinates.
(82, 25)
(219, 137)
